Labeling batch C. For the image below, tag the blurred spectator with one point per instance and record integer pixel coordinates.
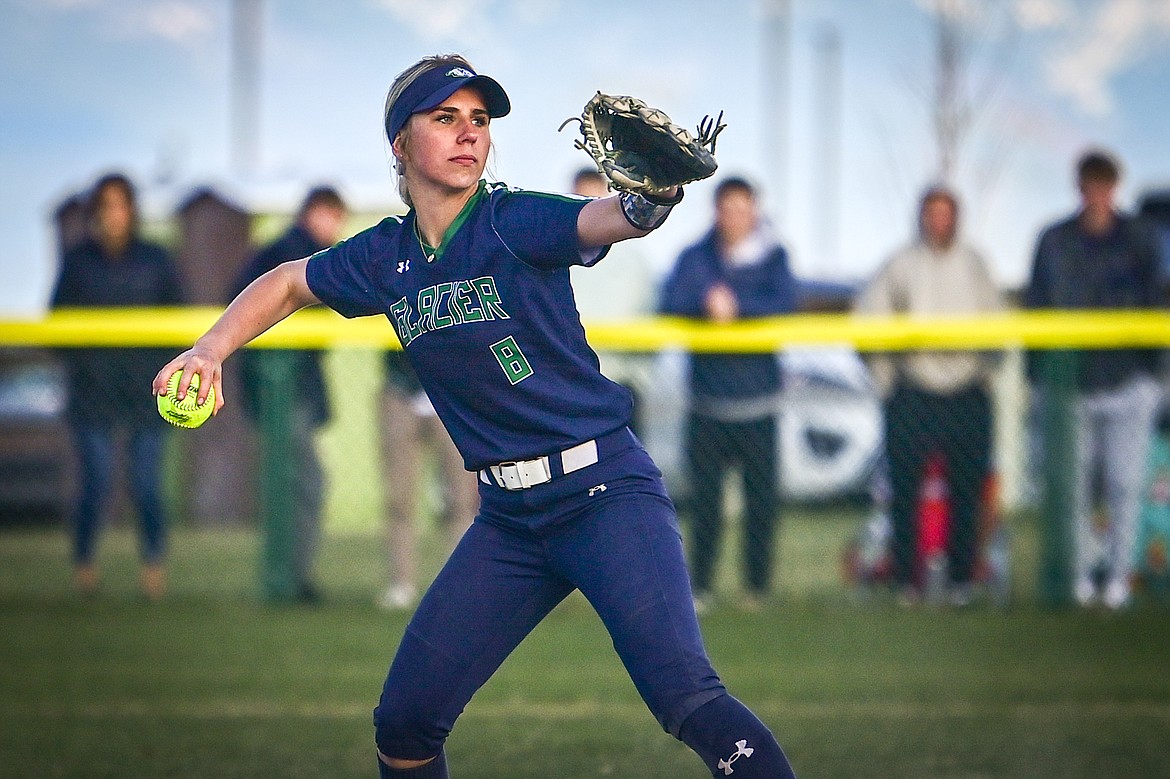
(936, 404)
(737, 271)
(412, 435)
(621, 287)
(1100, 258)
(109, 388)
(1152, 553)
(1154, 207)
(318, 225)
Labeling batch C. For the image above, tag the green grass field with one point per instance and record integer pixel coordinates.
(214, 683)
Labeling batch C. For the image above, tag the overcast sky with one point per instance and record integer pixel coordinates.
(91, 85)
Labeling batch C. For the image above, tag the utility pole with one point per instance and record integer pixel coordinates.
(247, 29)
(775, 103)
(826, 134)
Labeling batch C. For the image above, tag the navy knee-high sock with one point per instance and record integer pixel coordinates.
(436, 769)
(733, 742)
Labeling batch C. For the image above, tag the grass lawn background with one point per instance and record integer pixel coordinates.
(215, 683)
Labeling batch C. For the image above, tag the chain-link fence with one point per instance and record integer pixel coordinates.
(924, 483)
(756, 427)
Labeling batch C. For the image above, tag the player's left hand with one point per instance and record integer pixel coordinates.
(641, 151)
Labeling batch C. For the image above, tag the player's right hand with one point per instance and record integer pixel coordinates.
(196, 360)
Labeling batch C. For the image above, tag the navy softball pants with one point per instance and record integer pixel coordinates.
(608, 530)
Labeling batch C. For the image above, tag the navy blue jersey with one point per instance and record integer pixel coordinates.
(488, 321)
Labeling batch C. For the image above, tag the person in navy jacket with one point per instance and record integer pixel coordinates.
(115, 267)
(319, 223)
(1103, 258)
(736, 271)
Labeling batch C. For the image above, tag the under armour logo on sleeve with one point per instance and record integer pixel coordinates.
(741, 750)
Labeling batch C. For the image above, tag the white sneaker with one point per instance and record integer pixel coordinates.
(398, 597)
(1084, 591)
(1117, 593)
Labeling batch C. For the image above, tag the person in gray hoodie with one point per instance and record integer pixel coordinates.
(935, 403)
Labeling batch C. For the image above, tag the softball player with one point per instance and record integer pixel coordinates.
(475, 281)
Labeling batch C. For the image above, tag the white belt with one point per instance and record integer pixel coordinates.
(522, 474)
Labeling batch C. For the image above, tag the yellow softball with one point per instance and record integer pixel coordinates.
(187, 412)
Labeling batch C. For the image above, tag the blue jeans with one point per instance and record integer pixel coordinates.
(95, 454)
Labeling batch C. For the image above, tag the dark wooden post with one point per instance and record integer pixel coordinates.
(1056, 542)
(69, 218)
(214, 245)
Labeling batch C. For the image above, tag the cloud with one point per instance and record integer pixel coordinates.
(1102, 45)
(968, 11)
(1082, 46)
(184, 22)
(536, 12)
(468, 22)
(459, 21)
(178, 22)
(1041, 14)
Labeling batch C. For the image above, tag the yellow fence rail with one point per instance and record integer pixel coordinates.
(320, 328)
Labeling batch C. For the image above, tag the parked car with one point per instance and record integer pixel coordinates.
(36, 472)
(830, 425)
(830, 434)
(1155, 206)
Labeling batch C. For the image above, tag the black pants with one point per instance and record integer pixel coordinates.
(958, 427)
(713, 447)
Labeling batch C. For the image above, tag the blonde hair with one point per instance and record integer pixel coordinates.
(400, 85)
